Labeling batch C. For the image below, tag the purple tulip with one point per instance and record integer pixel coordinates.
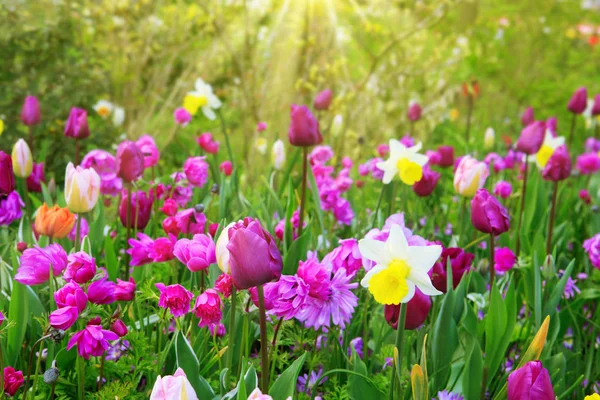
(323, 100)
(140, 209)
(414, 112)
(7, 177)
(446, 156)
(578, 102)
(63, 318)
(129, 161)
(81, 268)
(488, 215)
(531, 381)
(428, 182)
(34, 181)
(30, 113)
(196, 254)
(77, 124)
(558, 166)
(503, 189)
(551, 124)
(92, 341)
(596, 106)
(254, 256)
(417, 310)
(119, 328)
(460, 263)
(532, 138)
(528, 116)
(304, 127)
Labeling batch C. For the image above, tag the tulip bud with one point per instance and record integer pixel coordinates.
(446, 156)
(30, 113)
(221, 249)
(182, 116)
(503, 189)
(578, 102)
(304, 128)
(34, 181)
(129, 161)
(254, 256)
(21, 159)
(82, 188)
(261, 127)
(428, 182)
(532, 138)
(63, 318)
(140, 209)
(558, 166)
(278, 155)
(77, 124)
(323, 100)
(530, 381)
(528, 116)
(488, 215)
(119, 328)
(470, 176)
(414, 112)
(148, 147)
(7, 177)
(488, 138)
(596, 106)
(55, 222)
(417, 310)
(226, 167)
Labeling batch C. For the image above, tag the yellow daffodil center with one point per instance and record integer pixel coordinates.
(192, 103)
(410, 172)
(544, 155)
(390, 286)
(103, 111)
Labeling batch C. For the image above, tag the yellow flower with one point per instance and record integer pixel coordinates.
(22, 159)
(103, 108)
(571, 33)
(1, 127)
(404, 161)
(192, 103)
(454, 114)
(545, 152)
(594, 396)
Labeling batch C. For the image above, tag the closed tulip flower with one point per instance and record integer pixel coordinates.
(470, 176)
(323, 100)
(460, 263)
(414, 112)
(196, 254)
(221, 252)
(417, 310)
(446, 156)
(129, 161)
(489, 137)
(173, 387)
(488, 215)
(77, 124)
(140, 209)
(82, 188)
(532, 138)
(22, 159)
(278, 155)
(34, 181)
(30, 113)
(304, 127)
(558, 166)
(528, 116)
(63, 318)
(531, 381)
(55, 222)
(254, 256)
(7, 177)
(578, 102)
(428, 182)
(148, 147)
(596, 106)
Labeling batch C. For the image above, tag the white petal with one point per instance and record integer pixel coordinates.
(423, 282)
(396, 147)
(397, 244)
(209, 113)
(422, 258)
(374, 271)
(374, 250)
(420, 159)
(556, 142)
(410, 294)
(417, 147)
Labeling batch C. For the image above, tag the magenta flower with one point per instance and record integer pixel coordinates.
(7, 176)
(196, 254)
(304, 127)
(428, 182)
(588, 163)
(503, 189)
(77, 124)
(125, 290)
(316, 277)
(102, 291)
(71, 295)
(446, 156)
(592, 247)
(254, 256)
(34, 181)
(104, 164)
(207, 143)
(558, 166)
(129, 161)
(288, 296)
(223, 285)
(208, 308)
(596, 106)
(182, 116)
(346, 256)
(578, 102)
(119, 328)
(323, 100)
(504, 260)
(84, 229)
(261, 127)
(460, 262)
(140, 209)
(169, 207)
(226, 167)
(417, 310)
(162, 249)
(531, 381)
(532, 138)
(190, 222)
(63, 318)
(528, 116)
(92, 341)
(35, 264)
(176, 298)
(488, 215)
(81, 268)
(140, 250)
(147, 146)
(196, 171)
(414, 112)
(217, 330)
(30, 113)
(11, 208)
(13, 380)
(584, 195)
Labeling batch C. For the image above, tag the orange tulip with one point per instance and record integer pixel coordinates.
(54, 222)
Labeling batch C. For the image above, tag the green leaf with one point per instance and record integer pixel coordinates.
(473, 375)
(187, 360)
(110, 258)
(97, 228)
(285, 385)
(444, 341)
(46, 195)
(18, 312)
(296, 252)
(360, 387)
(557, 292)
(314, 189)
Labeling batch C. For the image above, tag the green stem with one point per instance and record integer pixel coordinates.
(128, 236)
(224, 129)
(37, 370)
(551, 223)
(231, 337)
(400, 346)
(379, 200)
(492, 262)
(303, 189)
(522, 209)
(572, 132)
(264, 346)
(81, 378)
(77, 235)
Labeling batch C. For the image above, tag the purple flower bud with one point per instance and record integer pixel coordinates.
(30, 113)
(596, 106)
(488, 215)
(129, 161)
(531, 381)
(417, 310)
(7, 177)
(323, 100)
(532, 138)
(414, 112)
(140, 209)
(119, 328)
(460, 262)
(428, 182)
(528, 116)
(304, 127)
(559, 165)
(254, 256)
(77, 124)
(503, 189)
(578, 102)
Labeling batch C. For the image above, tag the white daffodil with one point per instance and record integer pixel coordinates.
(202, 98)
(278, 155)
(399, 268)
(548, 146)
(103, 108)
(405, 161)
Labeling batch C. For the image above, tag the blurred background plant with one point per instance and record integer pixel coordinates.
(262, 55)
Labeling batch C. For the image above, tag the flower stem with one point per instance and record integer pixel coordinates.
(77, 152)
(224, 129)
(552, 216)
(492, 262)
(379, 200)
(522, 210)
(31, 353)
(128, 235)
(81, 377)
(469, 114)
(231, 337)
(303, 189)
(77, 235)
(264, 362)
(397, 372)
(572, 132)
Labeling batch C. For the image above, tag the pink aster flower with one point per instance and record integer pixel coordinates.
(346, 256)
(316, 277)
(81, 268)
(223, 285)
(208, 308)
(35, 264)
(504, 260)
(162, 249)
(125, 290)
(71, 295)
(63, 318)
(592, 247)
(92, 341)
(196, 171)
(196, 254)
(140, 250)
(288, 296)
(176, 298)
